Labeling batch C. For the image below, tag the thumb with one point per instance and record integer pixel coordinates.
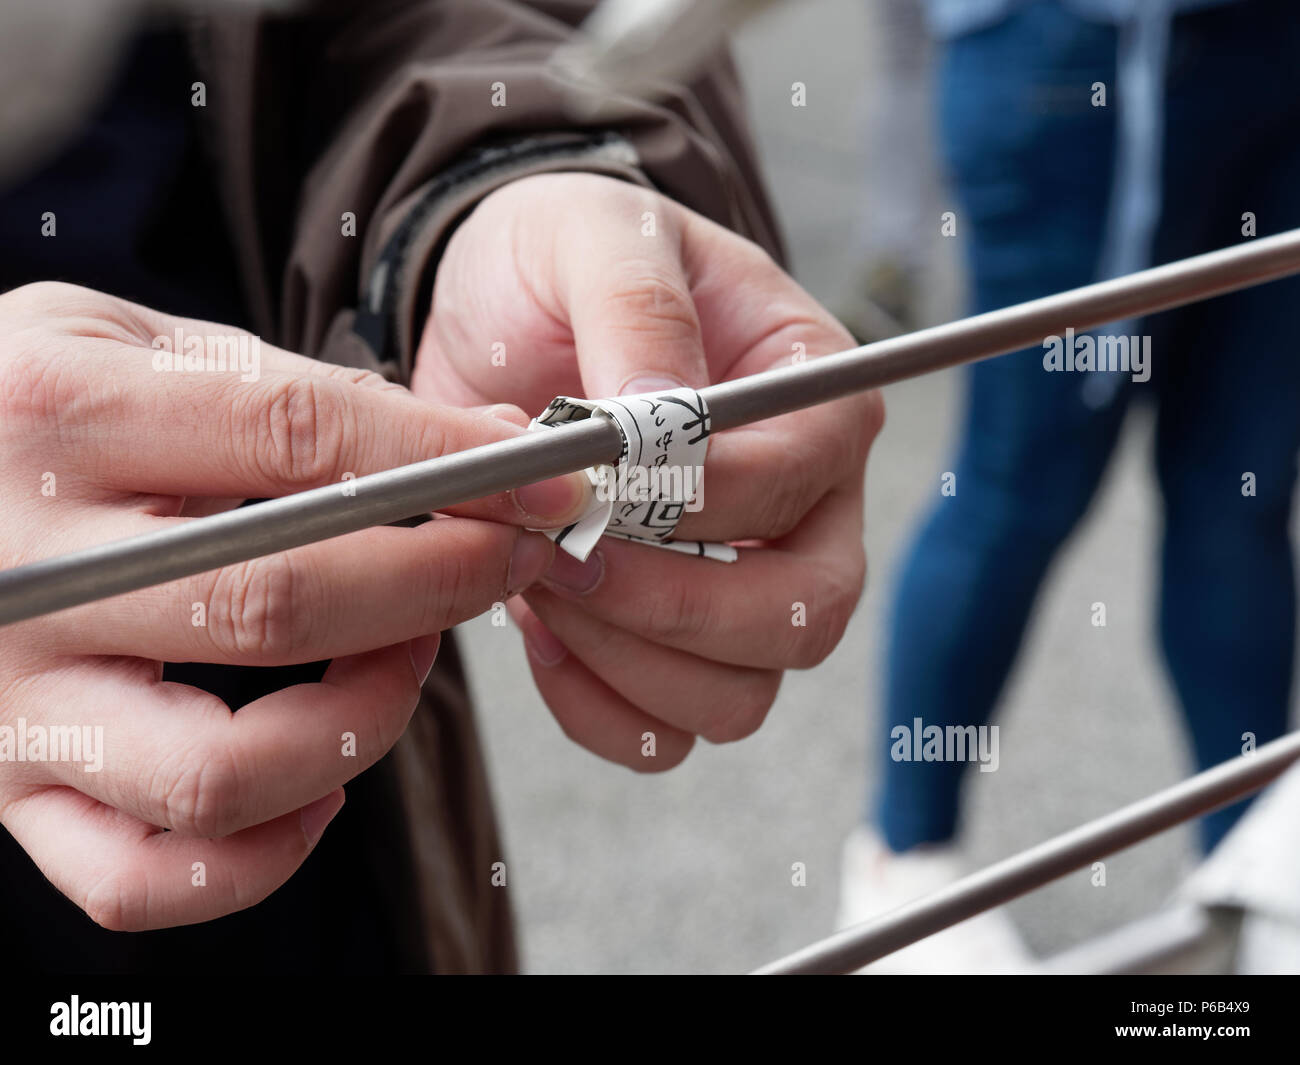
(629, 302)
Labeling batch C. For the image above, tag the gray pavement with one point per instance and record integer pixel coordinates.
(690, 871)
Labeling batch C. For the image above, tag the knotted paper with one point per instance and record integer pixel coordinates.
(656, 479)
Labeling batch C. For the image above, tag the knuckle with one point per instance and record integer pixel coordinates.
(752, 260)
(654, 301)
(459, 587)
(610, 198)
(747, 709)
(28, 387)
(863, 422)
(829, 613)
(198, 793)
(760, 260)
(37, 387)
(74, 310)
(780, 511)
(43, 400)
(679, 612)
(42, 297)
(42, 397)
(306, 430)
(251, 610)
(357, 376)
(811, 646)
(836, 447)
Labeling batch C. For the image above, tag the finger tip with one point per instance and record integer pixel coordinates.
(555, 502)
(529, 559)
(508, 412)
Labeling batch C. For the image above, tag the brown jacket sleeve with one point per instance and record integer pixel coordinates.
(358, 107)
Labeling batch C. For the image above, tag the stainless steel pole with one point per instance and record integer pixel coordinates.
(303, 518)
(377, 499)
(855, 947)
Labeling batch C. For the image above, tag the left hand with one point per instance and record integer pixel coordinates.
(587, 286)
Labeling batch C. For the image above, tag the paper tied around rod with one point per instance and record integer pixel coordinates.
(657, 478)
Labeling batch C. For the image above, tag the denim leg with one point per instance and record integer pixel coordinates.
(1030, 161)
(1228, 375)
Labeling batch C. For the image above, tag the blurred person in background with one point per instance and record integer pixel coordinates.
(1086, 139)
(893, 292)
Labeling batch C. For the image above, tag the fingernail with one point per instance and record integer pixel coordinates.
(574, 576)
(424, 649)
(556, 499)
(649, 383)
(543, 644)
(528, 561)
(506, 412)
(317, 815)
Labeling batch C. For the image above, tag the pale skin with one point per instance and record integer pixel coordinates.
(560, 270)
(556, 268)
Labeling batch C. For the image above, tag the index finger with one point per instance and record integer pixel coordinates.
(148, 424)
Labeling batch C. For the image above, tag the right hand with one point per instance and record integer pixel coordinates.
(96, 445)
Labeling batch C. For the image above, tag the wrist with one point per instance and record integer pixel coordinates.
(398, 284)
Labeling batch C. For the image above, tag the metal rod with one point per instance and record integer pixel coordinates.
(303, 518)
(392, 495)
(855, 947)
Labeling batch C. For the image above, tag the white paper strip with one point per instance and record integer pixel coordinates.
(658, 475)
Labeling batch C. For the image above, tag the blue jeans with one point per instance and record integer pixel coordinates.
(1031, 161)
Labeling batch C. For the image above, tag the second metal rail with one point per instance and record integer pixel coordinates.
(856, 947)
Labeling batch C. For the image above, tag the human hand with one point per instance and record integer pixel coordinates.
(576, 284)
(97, 445)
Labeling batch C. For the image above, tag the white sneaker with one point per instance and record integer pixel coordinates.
(875, 880)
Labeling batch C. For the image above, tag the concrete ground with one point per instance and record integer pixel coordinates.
(691, 871)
